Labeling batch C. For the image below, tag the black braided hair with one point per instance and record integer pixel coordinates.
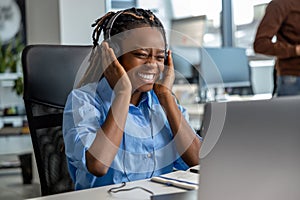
(129, 19)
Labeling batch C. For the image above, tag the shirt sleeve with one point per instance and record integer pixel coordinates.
(82, 119)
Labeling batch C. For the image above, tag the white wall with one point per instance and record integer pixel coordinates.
(164, 13)
(42, 21)
(76, 17)
(69, 21)
(61, 21)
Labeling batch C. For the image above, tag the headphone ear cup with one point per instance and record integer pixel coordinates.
(166, 58)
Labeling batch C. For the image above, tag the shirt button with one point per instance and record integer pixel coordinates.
(149, 155)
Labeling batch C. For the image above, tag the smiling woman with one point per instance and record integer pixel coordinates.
(122, 122)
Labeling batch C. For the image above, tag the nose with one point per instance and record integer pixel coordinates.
(153, 65)
(151, 59)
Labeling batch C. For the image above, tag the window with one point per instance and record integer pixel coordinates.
(119, 4)
(190, 8)
(247, 16)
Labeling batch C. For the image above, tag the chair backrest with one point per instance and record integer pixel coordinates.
(49, 75)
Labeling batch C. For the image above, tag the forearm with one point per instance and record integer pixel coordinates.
(187, 143)
(264, 45)
(109, 136)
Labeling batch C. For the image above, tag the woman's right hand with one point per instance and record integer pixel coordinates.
(114, 72)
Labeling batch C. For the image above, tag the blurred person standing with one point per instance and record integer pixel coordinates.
(282, 20)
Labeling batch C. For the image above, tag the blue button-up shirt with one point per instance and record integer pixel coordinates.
(147, 148)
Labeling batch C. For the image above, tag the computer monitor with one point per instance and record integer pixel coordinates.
(224, 67)
(186, 60)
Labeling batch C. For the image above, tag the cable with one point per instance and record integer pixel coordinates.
(117, 189)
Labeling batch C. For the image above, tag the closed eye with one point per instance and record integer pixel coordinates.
(141, 55)
(160, 57)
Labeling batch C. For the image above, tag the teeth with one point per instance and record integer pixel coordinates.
(146, 76)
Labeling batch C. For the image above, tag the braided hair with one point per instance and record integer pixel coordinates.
(126, 20)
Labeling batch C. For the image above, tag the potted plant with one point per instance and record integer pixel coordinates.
(10, 55)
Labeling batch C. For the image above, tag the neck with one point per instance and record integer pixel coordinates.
(135, 98)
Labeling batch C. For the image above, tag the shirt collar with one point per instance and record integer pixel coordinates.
(150, 97)
(146, 98)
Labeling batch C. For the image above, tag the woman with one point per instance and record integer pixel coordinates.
(128, 125)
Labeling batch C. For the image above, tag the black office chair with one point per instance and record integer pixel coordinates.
(49, 75)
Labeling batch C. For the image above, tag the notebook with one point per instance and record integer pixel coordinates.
(251, 150)
(182, 179)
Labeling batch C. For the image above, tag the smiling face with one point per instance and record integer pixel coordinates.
(144, 57)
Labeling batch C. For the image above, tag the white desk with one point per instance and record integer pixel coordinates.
(101, 192)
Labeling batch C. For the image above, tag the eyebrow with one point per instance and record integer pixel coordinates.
(146, 49)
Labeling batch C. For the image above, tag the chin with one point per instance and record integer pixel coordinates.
(145, 88)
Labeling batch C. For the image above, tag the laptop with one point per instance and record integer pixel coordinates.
(251, 151)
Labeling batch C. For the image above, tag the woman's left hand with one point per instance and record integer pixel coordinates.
(164, 85)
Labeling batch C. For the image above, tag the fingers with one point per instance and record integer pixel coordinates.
(169, 69)
(164, 86)
(110, 62)
(107, 55)
(113, 70)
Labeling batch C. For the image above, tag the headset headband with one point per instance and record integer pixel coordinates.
(111, 23)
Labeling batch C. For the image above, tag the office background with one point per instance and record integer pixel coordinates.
(227, 23)
(69, 22)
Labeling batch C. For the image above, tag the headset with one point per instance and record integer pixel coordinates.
(114, 45)
(110, 24)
